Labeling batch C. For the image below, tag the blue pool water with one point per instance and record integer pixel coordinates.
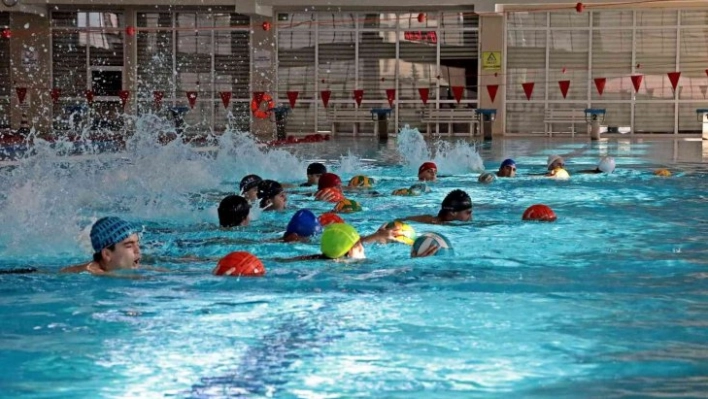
(609, 301)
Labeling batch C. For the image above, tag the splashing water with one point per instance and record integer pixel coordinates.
(452, 158)
(56, 190)
(349, 164)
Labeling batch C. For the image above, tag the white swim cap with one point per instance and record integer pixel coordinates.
(606, 164)
(554, 158)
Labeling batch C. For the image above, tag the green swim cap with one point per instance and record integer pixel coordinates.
(338, 239)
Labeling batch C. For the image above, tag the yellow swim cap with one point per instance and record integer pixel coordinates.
(338, 239)
(361, 181)
(662, 172)
(403, 232)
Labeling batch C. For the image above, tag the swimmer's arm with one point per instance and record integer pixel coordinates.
(80, 268)
(302, 257)
(381, 236)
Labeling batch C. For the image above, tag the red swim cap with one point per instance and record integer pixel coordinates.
(427, 165)
(239, 264)
(329, 218)
(328, 180)
(330, 194)
(539, 213)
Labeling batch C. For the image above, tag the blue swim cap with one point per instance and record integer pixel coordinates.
(110, 231)
(508, 162)
(304, 223)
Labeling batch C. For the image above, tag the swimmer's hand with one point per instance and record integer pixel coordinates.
(381, 236)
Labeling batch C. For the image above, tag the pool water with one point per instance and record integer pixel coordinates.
(609, 301)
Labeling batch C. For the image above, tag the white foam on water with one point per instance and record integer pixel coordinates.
(455, 158)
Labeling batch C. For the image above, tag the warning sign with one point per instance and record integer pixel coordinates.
(491, 60)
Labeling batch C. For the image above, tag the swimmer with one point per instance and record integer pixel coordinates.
(116, 246)
(428, 171)
(457, 206)
(249, 187)
(314, 171)
(329, 188)
(556, 168)
(303, 225)
(606, 165)
(233, 211)
(507, 168)
(272, 196)
(341, 240)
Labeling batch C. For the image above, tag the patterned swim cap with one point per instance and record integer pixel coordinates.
(110, 231)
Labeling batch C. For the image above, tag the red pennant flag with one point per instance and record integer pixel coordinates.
(600, 85)
(324, 94)
(391, 96)
(703, 89)
(637, 82)
(674, 79)
(424, 92)
(157, 97)
(123, 95)
(21, 94)
(89, 96)
(528, 89)
(706, 71)
(492, 91)
(258, 96)
(192, 98)
(55, 94)
(457, 92)
(225, 98)
(292, 98)
(358, 96)
(564, 86)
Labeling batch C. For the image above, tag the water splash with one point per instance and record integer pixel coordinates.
(459, 157)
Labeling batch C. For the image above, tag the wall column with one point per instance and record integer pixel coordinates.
(491, 44)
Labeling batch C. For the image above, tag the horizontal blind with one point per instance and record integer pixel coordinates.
(655, 55)
(568, 61)
(693, 54)
(526, 62)
(612, 60)
(377, 65)
(155, 64)
(68, 63)
(5, 81)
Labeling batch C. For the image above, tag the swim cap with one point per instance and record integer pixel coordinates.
(109, 231)
(248, 182)
(456, 200)
(402, 192)
(403, 232)
(426, 241)
(427, 165)
(554, 158)
(486, 178)
(361, 181)
(316, 168)
(268, 189)
(233, 210)
(606, 164)
(540, 213)
(508, 162)
(419, 188)
(347, 206)
(328, 180)
(662, 172)
(239, 264)
(329, 194)
(338, 239)
(329, 218)
(560, 173)
(304, 223)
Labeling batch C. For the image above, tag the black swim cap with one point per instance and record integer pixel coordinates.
(249, 182)
(233, 210)
(316, 168)
(268, 189)
(456, 200)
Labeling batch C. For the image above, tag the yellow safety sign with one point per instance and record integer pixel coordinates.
(491, 60)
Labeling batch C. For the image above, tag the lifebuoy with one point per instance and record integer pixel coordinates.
(257, 108)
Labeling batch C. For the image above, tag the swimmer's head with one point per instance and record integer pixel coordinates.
(328, 180)
(428, 171)
(486, 178)
(507, 168)
(457, 205)
(249, 187)
(555, 161)
(347, 206)
(314, 171)
(662, 172)
(233, 211)
(340, 239)
(272, 196)
(109, 231)
(428, 244)
(304, 223)
(606, 164)
(559, 173)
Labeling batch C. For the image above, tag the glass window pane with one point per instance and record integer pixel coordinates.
(526, 20)
(154, 20)
(612, 19)
(694, 52)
